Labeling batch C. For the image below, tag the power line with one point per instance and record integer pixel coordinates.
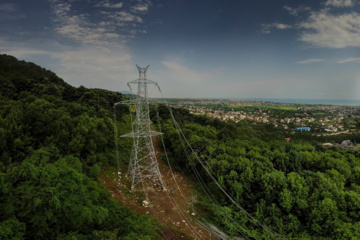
(143, 165)
(182, 136)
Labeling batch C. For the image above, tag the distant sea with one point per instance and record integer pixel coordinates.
(343, 102)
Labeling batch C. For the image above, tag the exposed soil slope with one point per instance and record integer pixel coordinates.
(171, 207)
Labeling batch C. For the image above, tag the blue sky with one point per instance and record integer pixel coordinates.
(199, 48)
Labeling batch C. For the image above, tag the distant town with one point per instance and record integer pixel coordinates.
(315, 118)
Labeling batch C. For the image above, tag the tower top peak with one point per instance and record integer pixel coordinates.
(142, 71)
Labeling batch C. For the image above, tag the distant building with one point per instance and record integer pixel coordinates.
(328, 144)
(346, 143)
(332, 129)
(303, 129)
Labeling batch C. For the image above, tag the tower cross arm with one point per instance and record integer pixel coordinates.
(143, 81)
(146, 81)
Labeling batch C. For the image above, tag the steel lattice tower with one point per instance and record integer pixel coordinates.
(143, 164)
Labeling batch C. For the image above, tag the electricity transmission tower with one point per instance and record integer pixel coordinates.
(143, 164)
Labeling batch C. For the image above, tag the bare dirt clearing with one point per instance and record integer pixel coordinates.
(171, 207)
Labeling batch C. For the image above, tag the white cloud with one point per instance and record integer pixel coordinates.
(327, 27)
(296, 11)
(324, 29)
(126, 17)
(107, 25)
(310, 60)
(340, 3)
(282, 26)
(266, 28)
(118, 5)
(80, 28)
(61, 9)
(100, 57)
(142, 7)
(77, 28)
(107, 4)
(347, 60)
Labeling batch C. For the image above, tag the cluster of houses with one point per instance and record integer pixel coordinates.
(332, 123)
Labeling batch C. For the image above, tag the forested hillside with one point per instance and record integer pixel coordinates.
(299, 189)
(54, 139)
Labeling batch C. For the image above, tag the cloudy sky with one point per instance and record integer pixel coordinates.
(196, 48)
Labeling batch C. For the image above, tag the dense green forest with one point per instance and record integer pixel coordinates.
(299, 189)
(54, 139)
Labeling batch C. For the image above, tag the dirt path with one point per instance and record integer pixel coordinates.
(171, 207)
